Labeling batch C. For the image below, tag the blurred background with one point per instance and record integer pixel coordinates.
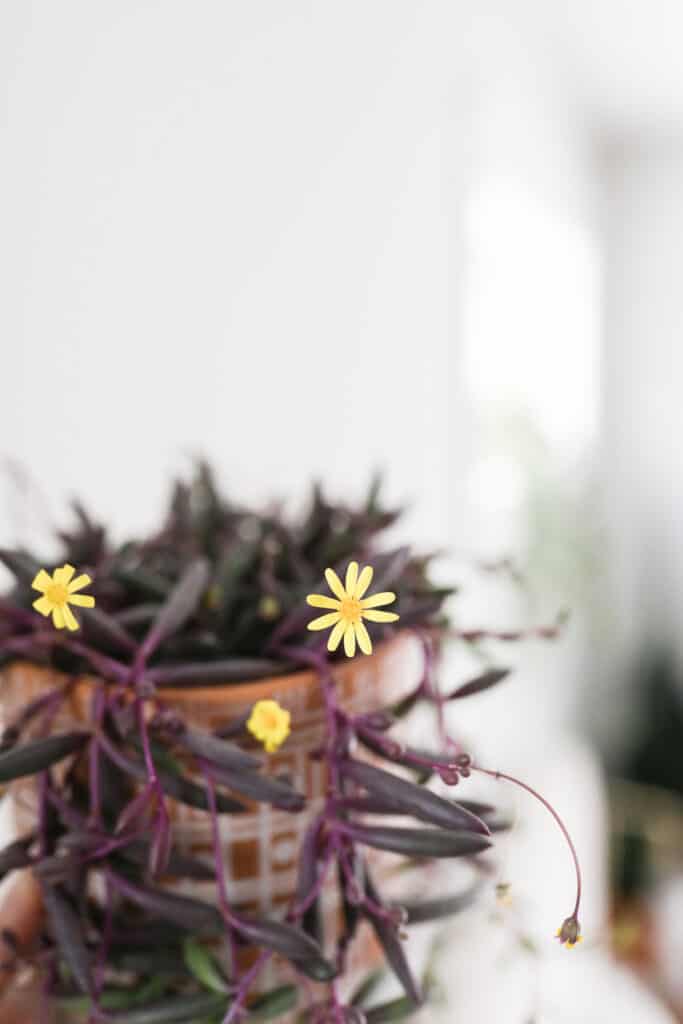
(440, 238)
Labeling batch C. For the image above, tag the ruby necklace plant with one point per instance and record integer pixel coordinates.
(219, 595)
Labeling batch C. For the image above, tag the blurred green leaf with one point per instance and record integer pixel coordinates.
(204, 966)
(273, 1004)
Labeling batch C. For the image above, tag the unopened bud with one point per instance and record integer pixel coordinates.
(570, 932)
(449, 775)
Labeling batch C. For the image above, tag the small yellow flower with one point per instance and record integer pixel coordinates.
(269, 723)
(570, 933)
(59, 591)
(350, 608)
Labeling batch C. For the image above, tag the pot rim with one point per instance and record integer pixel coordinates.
(250, 690)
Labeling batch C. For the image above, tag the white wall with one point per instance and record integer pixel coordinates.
(641, 454)
(269, 232)
(223, 233)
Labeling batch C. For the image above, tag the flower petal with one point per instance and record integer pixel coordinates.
(81, 581)
(372, 616)
(350, 641)
(320, 601)
(57, 617)
(363, 638)
(42, 605)
(82, 600)
(364, 581)
(69, 618)
(64, 574)
(42, 581)
(336, 635)
(335, 584)
(324, 621)
(351, 577)
(375, 600)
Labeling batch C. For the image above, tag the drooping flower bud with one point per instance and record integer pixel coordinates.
(570, 932)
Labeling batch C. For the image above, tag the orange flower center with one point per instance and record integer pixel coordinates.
(57, 593)
(351, 609)
(270, 720)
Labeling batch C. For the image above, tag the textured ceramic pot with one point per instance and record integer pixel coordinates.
(259, 847)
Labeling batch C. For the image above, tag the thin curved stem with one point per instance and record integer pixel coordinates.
(561, 825)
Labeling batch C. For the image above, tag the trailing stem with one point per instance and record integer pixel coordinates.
(560, 823)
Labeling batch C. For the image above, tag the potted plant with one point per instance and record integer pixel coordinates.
(208, 766)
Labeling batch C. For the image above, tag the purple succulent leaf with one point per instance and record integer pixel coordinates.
(229, 670)
(192, 914)
(218, 751)
(387, 935)
(178, 865)
(15, 855)
(418, 842)
(180, 605)
(100, 627)
(288, 940)
(411, 799)
(480, 683)
(261, 788)
(68, 931)
(37, 755)
(418, 912)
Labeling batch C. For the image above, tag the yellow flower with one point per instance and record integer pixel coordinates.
(350, 608)
(570, 933)
(269, 723)
(59, 591)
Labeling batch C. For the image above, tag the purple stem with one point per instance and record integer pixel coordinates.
(237, 1007)
(219, 865)
(37, 707)
(114, 844)
(299, 909)
(392, 749)
(98, 708)
(377, 909)
(102, 663)
(70, 814)
(549, 807)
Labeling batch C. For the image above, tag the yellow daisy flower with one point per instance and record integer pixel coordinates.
(350, 608)
(269, 723)
(59, 591)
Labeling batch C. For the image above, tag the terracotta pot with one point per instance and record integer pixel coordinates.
(260, 847)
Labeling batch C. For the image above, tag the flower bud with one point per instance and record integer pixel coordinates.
(570, 932)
